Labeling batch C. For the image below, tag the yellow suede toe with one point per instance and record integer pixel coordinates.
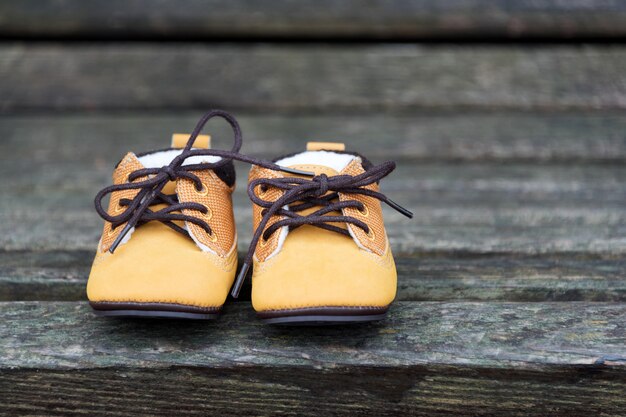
(320, 268)
(159, 265)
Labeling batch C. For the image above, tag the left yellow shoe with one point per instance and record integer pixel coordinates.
(320, 250)
(169, 245)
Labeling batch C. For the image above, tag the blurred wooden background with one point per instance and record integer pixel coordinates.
(508, 122)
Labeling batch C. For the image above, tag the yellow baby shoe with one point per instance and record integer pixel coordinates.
(169, 246)
(320, 252)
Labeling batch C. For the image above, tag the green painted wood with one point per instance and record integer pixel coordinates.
(425, 359)
(420, 136)
(62, 276)
(319, 77)
(313, 19)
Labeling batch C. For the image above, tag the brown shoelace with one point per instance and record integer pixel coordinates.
(322, 191)
(138, 210)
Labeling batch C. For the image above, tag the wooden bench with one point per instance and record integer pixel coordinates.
(512, 276)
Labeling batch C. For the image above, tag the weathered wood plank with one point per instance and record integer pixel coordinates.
(62, 276)
(313, 19)
(310, 77)
(459, 208)
(52, 275)
(425, 359)
(430, 136)
(511, 278)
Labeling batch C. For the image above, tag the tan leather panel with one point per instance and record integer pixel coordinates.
(217, 197)
(129, 164)
(376, 240)
(319, 169)
(265, 247)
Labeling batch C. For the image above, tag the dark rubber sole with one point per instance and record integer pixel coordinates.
(322, 320)
(323, 316)
(154, 310)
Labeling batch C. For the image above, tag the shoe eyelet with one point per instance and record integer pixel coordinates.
(370, 234)
(110, 232)
(263, 190)
(263, 242)
(204, 190)
(118, 209)
(212, 237)
(208, 214)
(365, 212)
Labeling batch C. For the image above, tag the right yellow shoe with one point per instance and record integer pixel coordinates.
(320, 251)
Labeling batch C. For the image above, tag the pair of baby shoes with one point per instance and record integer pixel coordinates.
(169, 246)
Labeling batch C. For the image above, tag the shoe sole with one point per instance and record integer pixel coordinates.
(323, 316)
(154, 310)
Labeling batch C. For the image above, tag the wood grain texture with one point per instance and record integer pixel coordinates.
(313, 19)
(315, 77)
(511, 278)
(52, 275)
(62, 276)
(425, 359)
(459, 208)
(422, 136)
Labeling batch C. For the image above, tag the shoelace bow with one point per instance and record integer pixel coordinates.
(138, 210)
(322, 191)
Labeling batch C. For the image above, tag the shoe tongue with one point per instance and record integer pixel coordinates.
(170, 188)
(179, 141)
(320, 158)
(316, 169)
(327, 158)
